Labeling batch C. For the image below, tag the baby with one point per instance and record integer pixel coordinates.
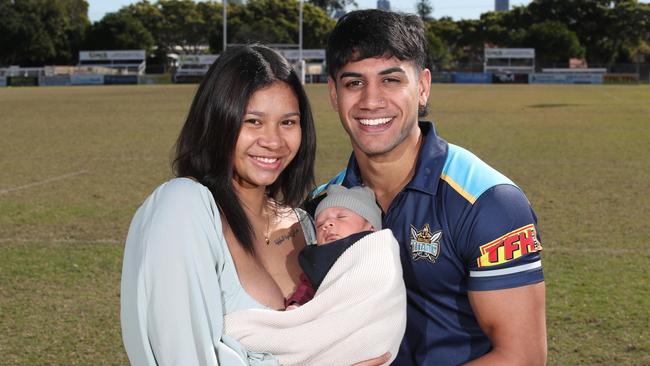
(346, 211)
(343, 217)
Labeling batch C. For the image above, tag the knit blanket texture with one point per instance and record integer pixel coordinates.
(358, 312)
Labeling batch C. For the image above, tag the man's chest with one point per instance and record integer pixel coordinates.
(431, 259)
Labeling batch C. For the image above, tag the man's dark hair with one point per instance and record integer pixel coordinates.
(371, 33)
(205, 146)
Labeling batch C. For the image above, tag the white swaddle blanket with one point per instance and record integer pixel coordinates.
(358, 312)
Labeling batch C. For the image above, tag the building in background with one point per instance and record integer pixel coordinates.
(501, 5)
(383, 5)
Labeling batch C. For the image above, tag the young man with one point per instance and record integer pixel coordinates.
(468, 236)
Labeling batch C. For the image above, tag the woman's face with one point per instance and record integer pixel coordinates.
(269, 137)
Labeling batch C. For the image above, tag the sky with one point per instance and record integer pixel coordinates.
(457, 9)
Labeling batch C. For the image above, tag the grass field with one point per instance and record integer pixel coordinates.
(76, 162)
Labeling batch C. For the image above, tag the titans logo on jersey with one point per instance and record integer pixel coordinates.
(424, 244)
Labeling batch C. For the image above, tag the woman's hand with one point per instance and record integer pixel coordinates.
(375, 361)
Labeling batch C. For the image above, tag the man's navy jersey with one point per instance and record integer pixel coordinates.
(461, 226)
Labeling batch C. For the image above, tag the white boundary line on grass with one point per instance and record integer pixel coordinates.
(34, 184)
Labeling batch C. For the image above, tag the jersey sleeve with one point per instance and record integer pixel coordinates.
(171, 308)
(502, 245)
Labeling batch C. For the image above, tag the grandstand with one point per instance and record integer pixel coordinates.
(509, 60)
(125, 62)
(191, 68)
(501, 65)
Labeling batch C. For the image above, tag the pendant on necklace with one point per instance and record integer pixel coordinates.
(268, 227)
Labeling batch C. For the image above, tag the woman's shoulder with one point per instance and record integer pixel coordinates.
(180, 210)
(177, 199)
(181, 193)
(181, 185)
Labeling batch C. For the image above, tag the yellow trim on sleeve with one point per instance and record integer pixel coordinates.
(458, 188)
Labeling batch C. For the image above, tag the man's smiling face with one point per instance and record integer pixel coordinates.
(377, 100)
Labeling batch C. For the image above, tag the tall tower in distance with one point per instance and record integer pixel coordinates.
(501, 5)
(383, 5)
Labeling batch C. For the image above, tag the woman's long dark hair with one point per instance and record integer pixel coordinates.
(205, 146)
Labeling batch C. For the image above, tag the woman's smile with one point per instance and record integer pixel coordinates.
(270, 136)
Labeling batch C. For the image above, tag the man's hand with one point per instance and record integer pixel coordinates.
(515, 321)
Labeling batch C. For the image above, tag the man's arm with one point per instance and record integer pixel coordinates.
(515, 321)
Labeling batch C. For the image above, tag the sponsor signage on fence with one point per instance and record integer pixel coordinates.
(56, 80)
(509, 78)
(567, 78)
(154, 79)
(87, 79)
(442, 77)
(509, 53)
(197, 59)
(309, 54)
(621, 79)
(120, 79)
(549, 79)
(22, 80)
(472, 78)
(590, 70)
(187, 79)
(3, 81)
(112, 55)
(587, 78)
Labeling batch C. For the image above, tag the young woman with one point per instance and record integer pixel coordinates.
(223, 236)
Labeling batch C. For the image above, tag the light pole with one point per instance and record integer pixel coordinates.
(225, 23)
(301, 62)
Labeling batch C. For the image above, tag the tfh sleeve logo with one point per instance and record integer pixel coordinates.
(509, 247)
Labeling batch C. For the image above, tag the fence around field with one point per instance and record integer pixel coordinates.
(69, 76)
(469, 74)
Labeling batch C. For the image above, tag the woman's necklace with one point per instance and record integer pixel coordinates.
(268, 226)
(270, 211)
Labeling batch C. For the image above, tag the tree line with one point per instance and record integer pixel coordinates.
(603, 32)
(48, 32)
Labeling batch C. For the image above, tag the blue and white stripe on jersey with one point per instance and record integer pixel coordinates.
(506, 271)
(469, 175)
(338, 179)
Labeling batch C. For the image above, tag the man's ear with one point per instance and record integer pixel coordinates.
(424, 87)
(331, 85)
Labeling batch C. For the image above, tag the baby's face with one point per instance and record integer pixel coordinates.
(337, 222)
